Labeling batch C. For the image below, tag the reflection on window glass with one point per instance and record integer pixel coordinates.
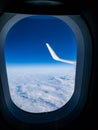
(40, 56)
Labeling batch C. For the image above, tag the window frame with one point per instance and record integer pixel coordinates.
(84, 58)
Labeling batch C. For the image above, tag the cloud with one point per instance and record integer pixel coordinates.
(41, 92)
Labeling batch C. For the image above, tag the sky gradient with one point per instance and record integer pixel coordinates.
(26, 41)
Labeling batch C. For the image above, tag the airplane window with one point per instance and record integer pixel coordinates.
(40, 56)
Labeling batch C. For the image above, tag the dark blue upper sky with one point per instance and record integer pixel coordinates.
(26, 41)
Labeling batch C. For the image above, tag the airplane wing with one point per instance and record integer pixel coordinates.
(55, 57)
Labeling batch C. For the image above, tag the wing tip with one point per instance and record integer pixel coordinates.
(47, 44)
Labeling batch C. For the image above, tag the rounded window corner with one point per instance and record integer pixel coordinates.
(82, 69)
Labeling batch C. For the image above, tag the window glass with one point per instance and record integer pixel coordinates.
(40, 56)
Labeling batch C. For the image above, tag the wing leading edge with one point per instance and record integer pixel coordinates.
(55, 57)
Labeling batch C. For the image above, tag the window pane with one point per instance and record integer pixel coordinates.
(40, 56)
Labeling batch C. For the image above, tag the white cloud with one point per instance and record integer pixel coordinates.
(41, 89)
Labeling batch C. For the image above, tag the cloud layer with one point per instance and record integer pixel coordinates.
(43, 89)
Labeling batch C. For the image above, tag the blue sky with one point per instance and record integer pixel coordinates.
(26, 41)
